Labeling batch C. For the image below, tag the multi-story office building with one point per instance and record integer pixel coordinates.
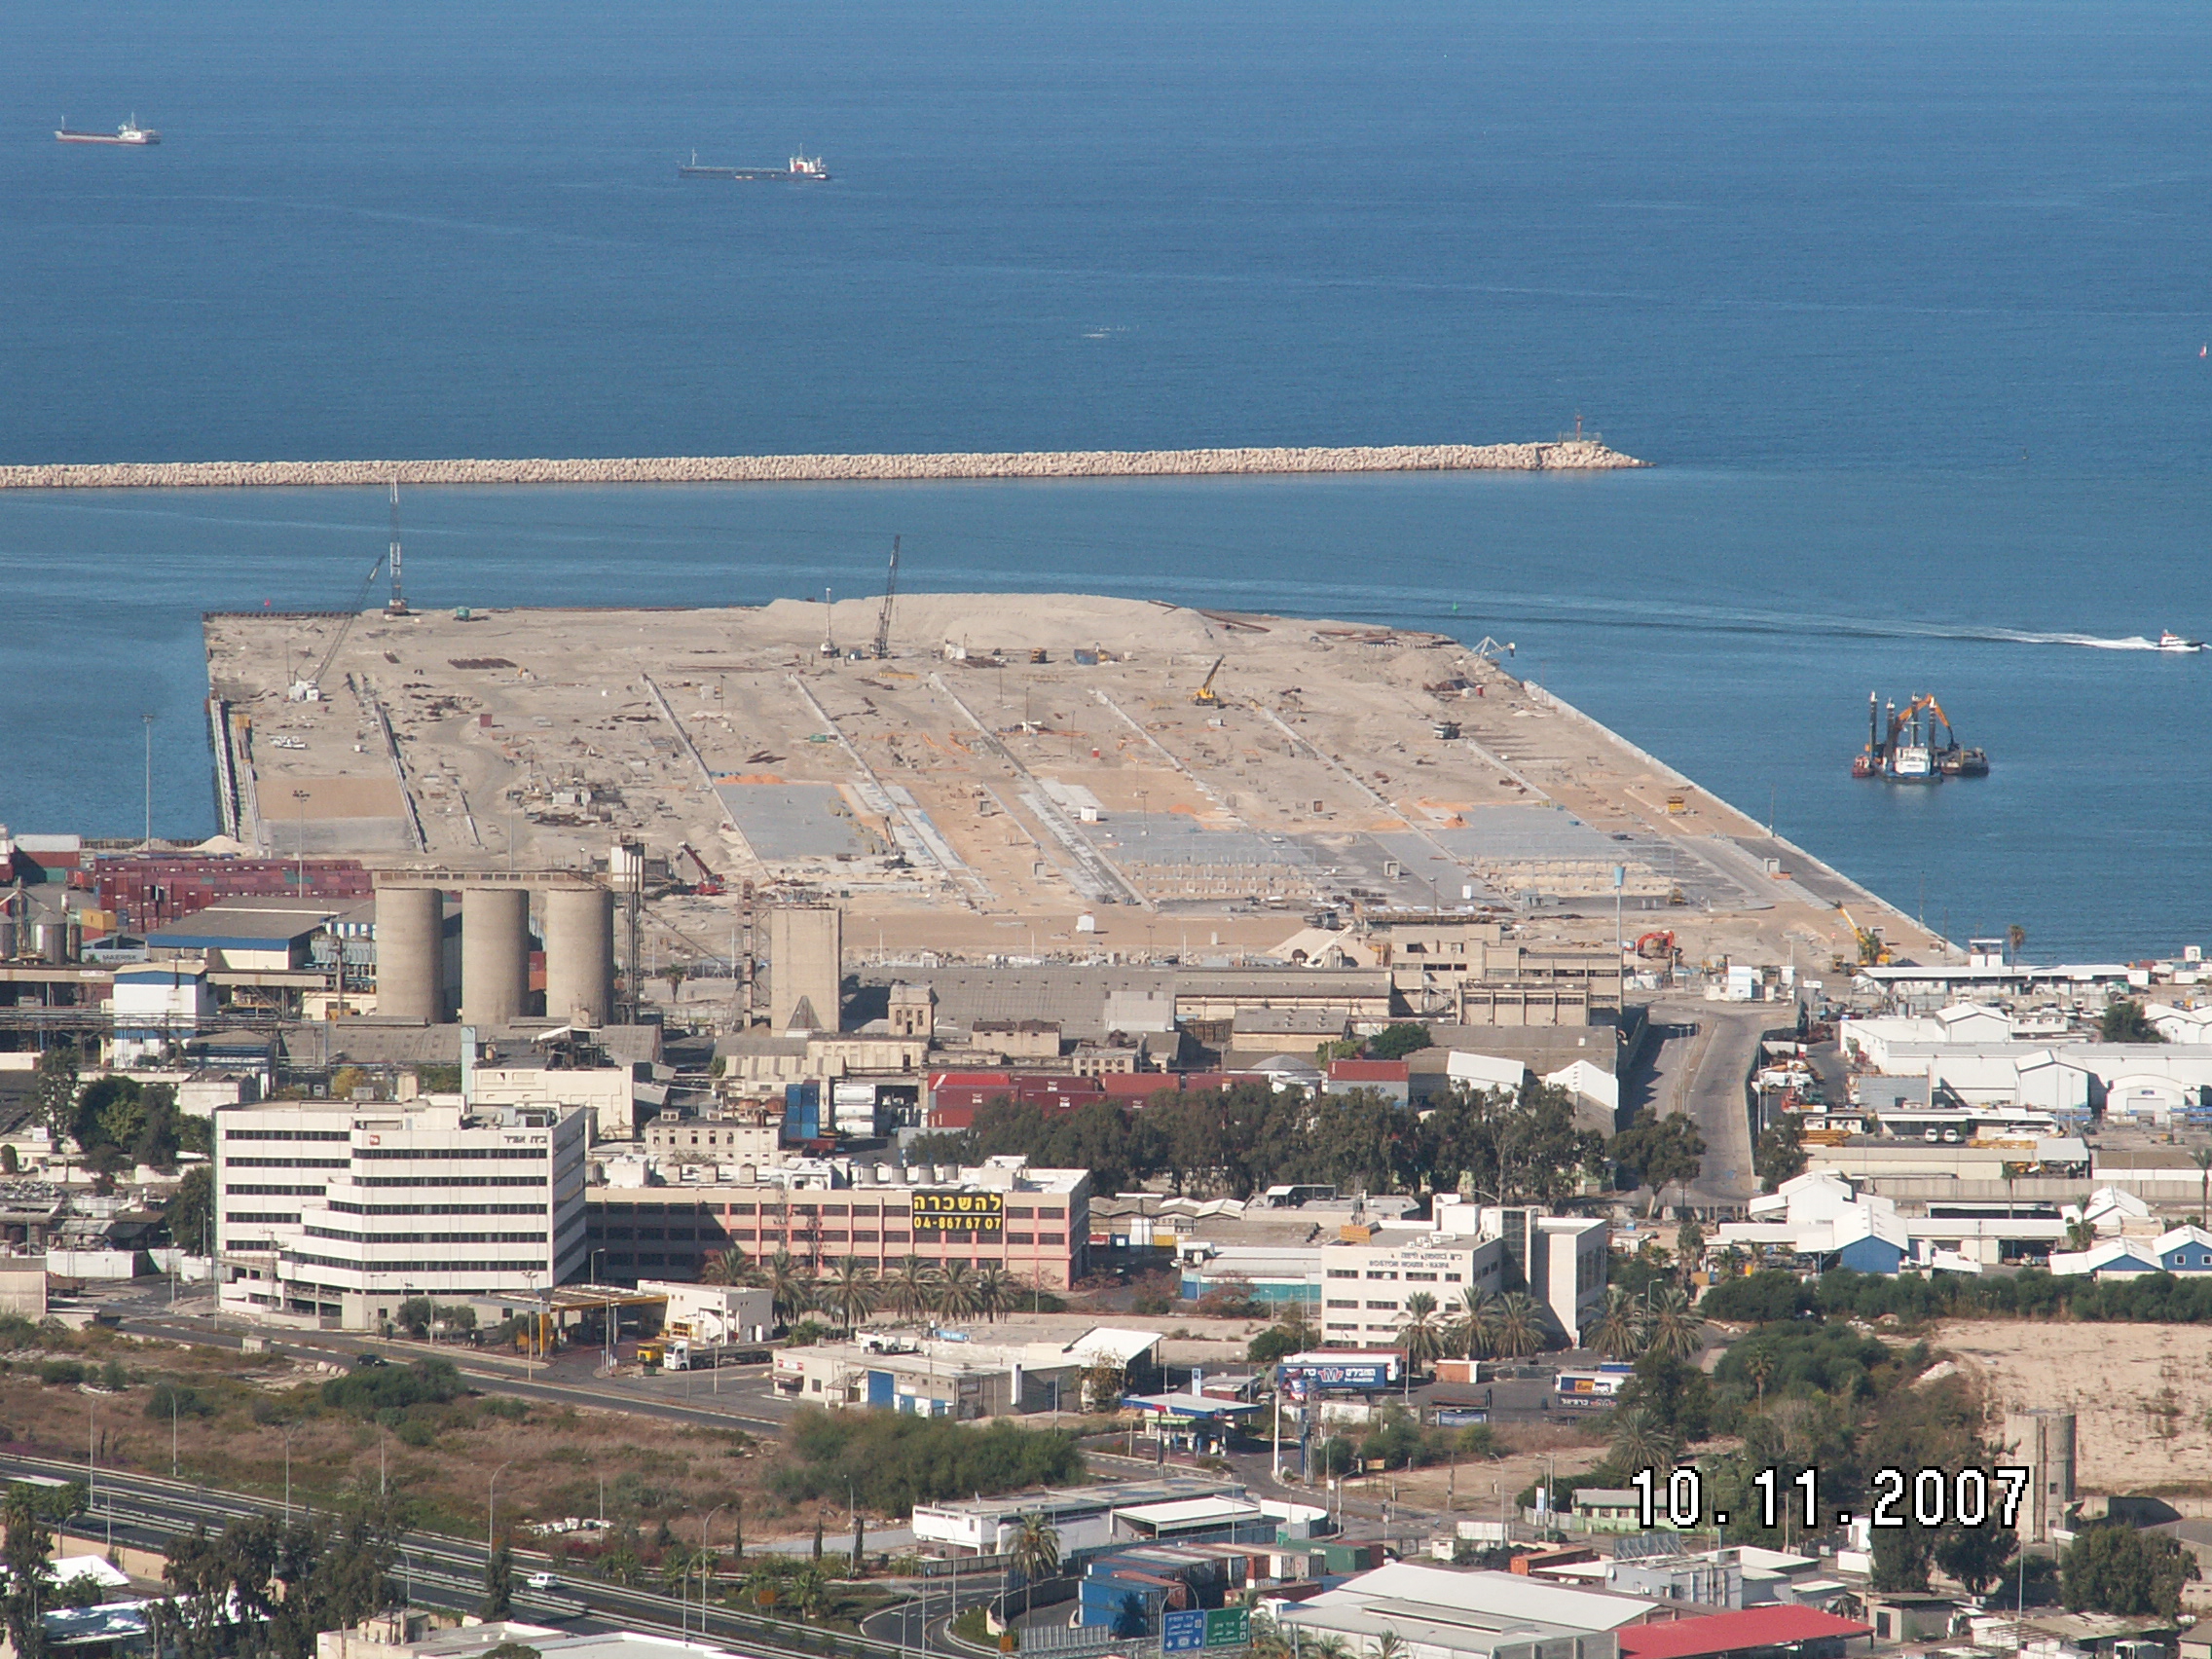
(1033, 1223)
(1364, 1287)
(339, 1212)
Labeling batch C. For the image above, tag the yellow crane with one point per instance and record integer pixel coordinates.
(1206, 696)
(1873, 949)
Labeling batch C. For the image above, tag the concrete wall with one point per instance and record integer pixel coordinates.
(805, 963)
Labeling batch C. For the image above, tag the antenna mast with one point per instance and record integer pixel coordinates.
(399, 604)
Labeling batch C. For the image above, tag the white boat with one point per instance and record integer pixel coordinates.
(2175, 643)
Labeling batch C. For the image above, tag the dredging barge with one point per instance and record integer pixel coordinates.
(1916, 746)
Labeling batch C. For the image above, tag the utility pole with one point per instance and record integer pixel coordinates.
(149, 719)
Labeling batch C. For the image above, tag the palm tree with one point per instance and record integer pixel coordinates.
(1389, 1645)
(2202, 1158)
(2081, 1234)
(676, 1565)
(1268, 1639)
(789, 1285)
(728, 1267)
(1474, 1323)
(850, 1291)
(996, 1291)
(810, 1591)
(954, 1292)
(1641, 1441)
(906, 1287)
(1759, 1367)
(1329, 1647)
(1619, 1332)
(1676, 1329)
(1036, 1551)
(1519, 1328)
(761, 1586)
(1423, 1337)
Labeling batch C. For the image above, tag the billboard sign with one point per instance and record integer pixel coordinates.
(959, 1212)
(1364, 1371)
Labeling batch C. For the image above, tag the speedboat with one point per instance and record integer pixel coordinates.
(2175, 643)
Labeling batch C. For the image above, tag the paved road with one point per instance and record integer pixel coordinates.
(737, 1397)
(435, 1570)
(1708, 1081)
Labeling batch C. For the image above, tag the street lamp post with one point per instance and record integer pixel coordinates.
(491, 1516)
(300, 842)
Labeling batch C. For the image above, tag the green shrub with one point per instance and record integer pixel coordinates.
(374, 1389)
(63, 1372)
(894, 1461)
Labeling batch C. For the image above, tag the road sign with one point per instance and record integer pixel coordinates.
(1228, 1627)
(1183, 1632)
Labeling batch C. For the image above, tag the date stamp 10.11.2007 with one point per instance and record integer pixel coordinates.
(1897, 1498)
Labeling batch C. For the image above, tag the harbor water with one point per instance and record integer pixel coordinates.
(1905, 303)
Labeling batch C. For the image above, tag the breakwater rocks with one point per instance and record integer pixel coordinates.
(1580, 455)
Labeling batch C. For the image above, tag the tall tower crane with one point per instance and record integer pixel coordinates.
(890, 593)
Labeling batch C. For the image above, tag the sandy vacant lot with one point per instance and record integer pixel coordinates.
(2142, 1394)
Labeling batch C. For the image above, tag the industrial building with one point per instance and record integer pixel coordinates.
(339, 1211)
(1452, 1615)
(414, 981)
(924, 1376)
(1084, 1516)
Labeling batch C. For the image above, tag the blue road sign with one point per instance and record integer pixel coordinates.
(1183, 1632)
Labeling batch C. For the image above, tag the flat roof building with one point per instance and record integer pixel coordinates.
(337, 1211)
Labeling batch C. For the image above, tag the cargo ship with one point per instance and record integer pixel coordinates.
(130, 132)
(1917, 746)
(804, 169)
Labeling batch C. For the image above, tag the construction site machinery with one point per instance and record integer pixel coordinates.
(890, 593)
(308, 688)
(710, 884)
(1916, 746)
(1206, 696)
(1656, 946)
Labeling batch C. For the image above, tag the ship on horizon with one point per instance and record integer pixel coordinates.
(806, 169)
(130, 132)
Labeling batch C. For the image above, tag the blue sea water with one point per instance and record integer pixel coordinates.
(1904, 300)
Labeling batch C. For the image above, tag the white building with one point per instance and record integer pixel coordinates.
(1437, 1612)
(1823, 1216)
(715, 1313)
(158, 1004)
(1365, 1287)
(1561, 1260)
(339, 1211)
(604, 1092)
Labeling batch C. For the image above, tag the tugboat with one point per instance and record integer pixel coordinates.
(1917, 746)
(130, 132)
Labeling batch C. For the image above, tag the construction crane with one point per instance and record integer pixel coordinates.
(710, 884)
(397, 605)
(308, 688)
(890, 593)
(1206, 696)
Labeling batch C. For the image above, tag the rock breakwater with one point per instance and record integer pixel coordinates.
(1579, 456)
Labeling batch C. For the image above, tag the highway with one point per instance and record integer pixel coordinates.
(448, 1573)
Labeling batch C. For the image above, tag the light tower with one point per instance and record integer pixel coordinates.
(399, 604)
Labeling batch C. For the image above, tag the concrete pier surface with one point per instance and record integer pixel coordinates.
(1572, 454)
(1021, 774)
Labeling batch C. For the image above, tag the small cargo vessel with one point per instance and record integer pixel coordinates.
(806, 169)
(1916, 746)
(130, 132)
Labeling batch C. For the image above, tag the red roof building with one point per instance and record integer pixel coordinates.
(1783, 1631)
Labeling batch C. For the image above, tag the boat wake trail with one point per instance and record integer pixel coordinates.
(2091, 642)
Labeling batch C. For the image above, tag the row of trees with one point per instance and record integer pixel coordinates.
(1509, 1146)
(852, 1289)
(2162, 1299)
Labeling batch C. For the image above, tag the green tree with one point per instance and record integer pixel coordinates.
(500, 1581)
(2113, 1569)
(848, 1292)
(956, 1293)
(1901, 1555)
(789, 1285)
(1423, 1335)
(1780, 1155)
(190, 1209)
(1519, 1328)
(1036, 1551)
(2125, 1021)
(1474, 1323)
(997, 1291)
(27, 1553)
(1618, 1333)
(1396, 1041)
(1641, 1441)
(54, 1089)
(728, 1267)
(906, 1287)
(1975, 1556)
(1660, 1152)
(1674, 1327)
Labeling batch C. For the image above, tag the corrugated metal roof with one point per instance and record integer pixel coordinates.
(1776, 1626)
